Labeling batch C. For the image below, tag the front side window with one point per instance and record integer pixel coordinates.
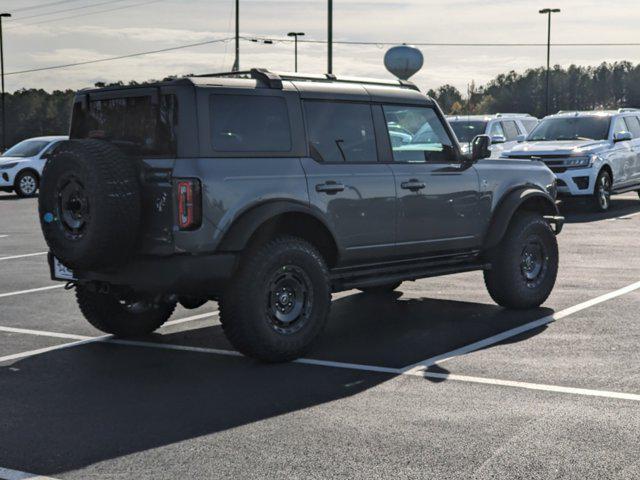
(467, 131)
(510, 129)
(571, 128)
(633, 125)
(529, 125)
(340, 132)
(250, 123)
(497, 130)
(26, 149)
(417, 135)
(140, 126)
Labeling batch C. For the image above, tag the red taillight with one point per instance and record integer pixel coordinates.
(189, 201)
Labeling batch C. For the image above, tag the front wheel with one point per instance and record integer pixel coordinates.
(524, 266)
(278, 301)
(601, 199)
(123, 317)
(26, 184)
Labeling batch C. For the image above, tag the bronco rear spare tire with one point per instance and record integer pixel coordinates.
(89, 204)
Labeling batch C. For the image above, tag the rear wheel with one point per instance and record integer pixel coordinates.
(524, 265)
(381, 289)
(26, 184)
(601, 199)
(278, 301)
(126, 316)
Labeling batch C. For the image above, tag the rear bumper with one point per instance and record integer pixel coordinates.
(195, 275)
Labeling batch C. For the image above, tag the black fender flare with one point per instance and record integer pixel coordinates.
(242, 228)
(524, 197)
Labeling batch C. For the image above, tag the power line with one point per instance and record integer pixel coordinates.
(443, 44)
(86, 14)
(42, 5)
(83, 7)
(131, 55)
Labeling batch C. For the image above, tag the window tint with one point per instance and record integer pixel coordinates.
(417, 135)
(510, 129)
(633, 125)
(249, 123)
(496, 129)
(340, 132)
(138, 125)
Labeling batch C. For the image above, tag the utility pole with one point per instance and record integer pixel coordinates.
(295, 35)
(4, 116)
(330, 37)
(236, 64)
(548, 12)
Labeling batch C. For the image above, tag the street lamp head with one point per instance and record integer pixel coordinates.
(5, 15)
(549, 10)
(295, 34)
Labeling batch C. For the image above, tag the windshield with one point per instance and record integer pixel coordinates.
(28, 148)
(571, 128)
(467, 131)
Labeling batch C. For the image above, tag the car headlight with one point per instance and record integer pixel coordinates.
(579, 162)
(7, 166)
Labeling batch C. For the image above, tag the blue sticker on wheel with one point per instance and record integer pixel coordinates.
(48, 217)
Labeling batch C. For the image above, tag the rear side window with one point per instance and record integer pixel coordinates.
(340, 132)
(249, 123)
(633, 125)
(140, 126)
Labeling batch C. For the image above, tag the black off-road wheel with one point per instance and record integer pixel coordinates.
(381, 289)
(90, 204)
(524, 265)
(26, 184)
(122, 316)
(278, 301)
(601, 199)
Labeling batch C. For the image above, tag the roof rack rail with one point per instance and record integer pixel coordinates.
(274, 79)
(504, 114)
(628, 109)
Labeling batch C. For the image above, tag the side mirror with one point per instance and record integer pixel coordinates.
(498, 139)
(622, 137)
(480, 147)
(521, 138)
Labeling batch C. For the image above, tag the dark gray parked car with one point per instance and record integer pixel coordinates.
(269, 192)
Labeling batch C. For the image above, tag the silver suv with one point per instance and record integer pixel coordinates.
(593, 154)
(505, 129)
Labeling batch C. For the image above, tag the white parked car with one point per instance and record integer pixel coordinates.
(593, 154)
(21, 165)
(505, 129)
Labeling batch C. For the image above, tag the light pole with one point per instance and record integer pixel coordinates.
(236, 64)
(330, 37)
(295, 35)
(548, 12)
(4, 117)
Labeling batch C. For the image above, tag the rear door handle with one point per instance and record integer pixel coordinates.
(330, 187)
(413, 185)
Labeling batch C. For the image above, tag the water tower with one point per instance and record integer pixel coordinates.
(403, 61)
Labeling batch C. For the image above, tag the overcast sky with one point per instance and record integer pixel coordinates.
(42, 41)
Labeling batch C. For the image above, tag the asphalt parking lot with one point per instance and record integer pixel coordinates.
(433, 382)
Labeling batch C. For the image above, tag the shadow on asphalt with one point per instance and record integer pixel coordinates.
(71, 408)
(580, 211)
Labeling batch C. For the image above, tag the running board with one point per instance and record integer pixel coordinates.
(626, 189)
(372, 276)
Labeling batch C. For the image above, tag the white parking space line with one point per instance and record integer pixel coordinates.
(423, 365)
(6, 474)
(31, 290)
(27, 255)
(4, 236)
(82, 340)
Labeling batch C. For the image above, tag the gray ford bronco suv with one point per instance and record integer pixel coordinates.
(267, 192)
